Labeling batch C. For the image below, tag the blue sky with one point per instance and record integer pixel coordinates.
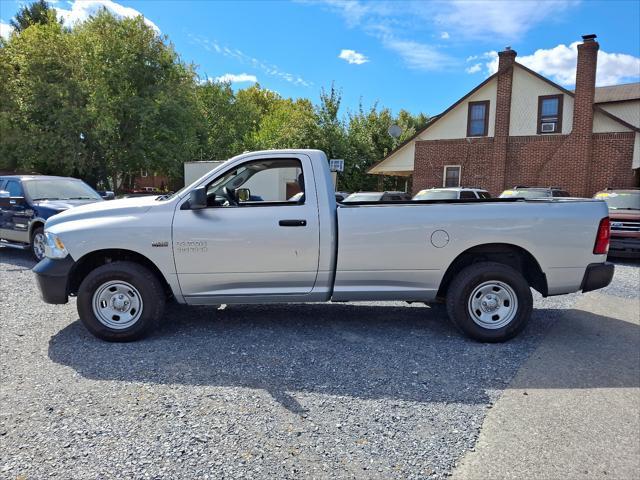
(420, 56)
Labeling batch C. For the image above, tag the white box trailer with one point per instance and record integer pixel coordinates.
(194, 170)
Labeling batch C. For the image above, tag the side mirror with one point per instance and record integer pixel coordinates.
(108, 195)
(198, 198)
(243, 194)
(4, 194)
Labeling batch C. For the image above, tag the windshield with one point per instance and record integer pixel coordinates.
(363, 197)
(60, 189)
(620, 200)
(436, 195)
(525, 194)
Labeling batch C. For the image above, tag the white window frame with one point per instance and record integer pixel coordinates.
(144, 173)
(444, 175)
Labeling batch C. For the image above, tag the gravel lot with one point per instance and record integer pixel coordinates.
(293, 391)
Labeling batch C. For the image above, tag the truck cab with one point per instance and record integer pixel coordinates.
(27, 201)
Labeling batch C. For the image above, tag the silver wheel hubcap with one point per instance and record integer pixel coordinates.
(117, 304)
(38, 245)
(493, 304)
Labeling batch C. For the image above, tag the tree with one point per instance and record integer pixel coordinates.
(42, 113)
(141, 105)
(332, 137)
(228, 121)
(289, 124)
(36, 13)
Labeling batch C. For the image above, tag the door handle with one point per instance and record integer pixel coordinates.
(292, 223)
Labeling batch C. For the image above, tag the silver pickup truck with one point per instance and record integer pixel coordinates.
(244, 234)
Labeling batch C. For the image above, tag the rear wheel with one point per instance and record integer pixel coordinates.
(120, 301)
(489, 302)
(37, 243)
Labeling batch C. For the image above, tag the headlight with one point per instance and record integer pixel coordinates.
(54, 248)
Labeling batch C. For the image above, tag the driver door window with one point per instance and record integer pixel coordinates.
(257, 183)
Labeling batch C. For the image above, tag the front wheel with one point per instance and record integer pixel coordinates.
(120, 301)
(489, 302)
(37, 243)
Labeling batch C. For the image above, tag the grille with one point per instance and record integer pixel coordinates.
(625, 226)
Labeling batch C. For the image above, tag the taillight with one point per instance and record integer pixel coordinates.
(601, 246)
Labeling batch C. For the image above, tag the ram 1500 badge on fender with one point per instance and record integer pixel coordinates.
(244, 233)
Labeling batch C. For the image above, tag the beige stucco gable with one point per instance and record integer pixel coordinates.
(398, 163)
(452, 124)
(629, 111)
(524, 103)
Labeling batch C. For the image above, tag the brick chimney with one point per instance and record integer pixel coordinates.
(582, 130)
(585, 85)
(506, 60)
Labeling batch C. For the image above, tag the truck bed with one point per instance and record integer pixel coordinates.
(402, 249)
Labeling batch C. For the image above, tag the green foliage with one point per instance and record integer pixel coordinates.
(42, 106)
(37, 13)
(111, 97)
(289, 124)
(228, 121)
(141, 100)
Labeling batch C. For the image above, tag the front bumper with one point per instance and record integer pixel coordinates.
(624, 247)
(53, 279)
(597, 275)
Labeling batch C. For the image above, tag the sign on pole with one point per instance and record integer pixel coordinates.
(336, 165)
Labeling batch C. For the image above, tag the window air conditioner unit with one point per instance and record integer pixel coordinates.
(548, 127)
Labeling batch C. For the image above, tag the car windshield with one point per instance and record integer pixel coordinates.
(620, 200)
(436, 195)
(521, 193)
(60, 189)
(363, 197)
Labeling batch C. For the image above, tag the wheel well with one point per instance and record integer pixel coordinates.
(93, 260)
(512, 255)
(35, 225)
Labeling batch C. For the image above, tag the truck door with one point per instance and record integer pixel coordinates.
(251, 240)
(14, 221)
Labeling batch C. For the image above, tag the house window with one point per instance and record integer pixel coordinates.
(451, 176)
(478, 119)
(550, 113)
(144, 173)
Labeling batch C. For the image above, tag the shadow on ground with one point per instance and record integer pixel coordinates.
(361, 351)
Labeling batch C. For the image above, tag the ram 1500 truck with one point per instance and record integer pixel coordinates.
(213, 243)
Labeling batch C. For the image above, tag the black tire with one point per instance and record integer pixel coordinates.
(464, 285)
(143, 280)
(34, 251)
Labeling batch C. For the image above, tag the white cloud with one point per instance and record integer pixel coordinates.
(475, 68)
(418, 56)
(5, 30)
(351, 56)
(81, 10)
(559, 64)
(505, 19)
(488, 60)
(501, 19)
(236, 78)
(268, 68)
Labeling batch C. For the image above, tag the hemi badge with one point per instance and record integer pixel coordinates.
(160, 244)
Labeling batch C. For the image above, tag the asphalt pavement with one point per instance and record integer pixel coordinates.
(384, 390)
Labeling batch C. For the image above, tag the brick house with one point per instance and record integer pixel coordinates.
(520, 128)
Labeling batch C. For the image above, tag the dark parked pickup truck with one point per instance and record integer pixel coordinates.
(27, 201)
(624, 213)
